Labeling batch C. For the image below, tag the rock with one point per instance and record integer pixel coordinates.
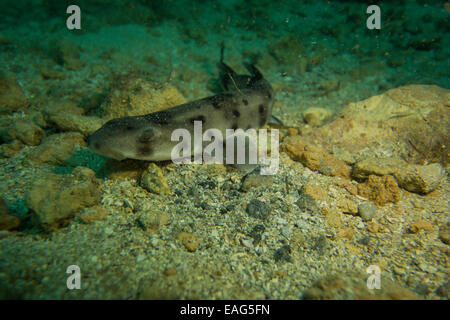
(315, 192)
(333, 218)
(381, 190)
(153, 220)
(12, 97)
(75, 122)
(377, 166)
(420, 179)
(420, 225)
(56, 199)
(372, 227)
(189, 241)
(57, 148)
(25, 131)
(306, 203)
(152, 179)
(134, 96)
(254, 180)
(7, 150)
(256, 233)
(7, 221)
(366, 211)
(444, 233)
(314, 158)
(258, 209)
(283, 254)
(94, 213)
(316, 116)
(411, 122)
(345, 233)
(347, 206)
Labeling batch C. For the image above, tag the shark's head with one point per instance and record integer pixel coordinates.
(129, 137)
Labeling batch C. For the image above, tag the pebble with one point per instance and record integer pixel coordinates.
(366, 211)
(189, 241)
(258, 209)
(283, 254)
(152, 179)
(307, 204)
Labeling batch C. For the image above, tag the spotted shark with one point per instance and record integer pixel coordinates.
(246, 103)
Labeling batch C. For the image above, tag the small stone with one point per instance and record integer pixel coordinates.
(320, 244)
(66, 121)
(256, 179)
(57, 148)
(333, 218)
(283, 254)
(316, 116)
(420, 225)
(189, 241)
(364, 241)
(306, 203)
(315, 192)
(25, 131)
(12, 97)
(170, 272)
(153, 180)
(381, 190)
(152, 221)
(345, 233)
(258, 209)
(377, 166)
(347, 206)
(94, 213)
(314, 157)
(420, 179)
(366, 211)
(256, 233)
(55, 199)
(372, 226)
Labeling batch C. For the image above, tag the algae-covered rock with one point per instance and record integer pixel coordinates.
(316, 116)
(57, 148)
(56, 199)
(381, 190)
(12, 97)
(25, 131)
(75, 122)
(314, 157)
(420, 179)
(409, 122)
(152, 179)
(134, 96)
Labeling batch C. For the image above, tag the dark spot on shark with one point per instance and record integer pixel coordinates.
(245, 101)
(236, 114)
(97, 145)
(269, 95)
(145, 151)
(261, 109)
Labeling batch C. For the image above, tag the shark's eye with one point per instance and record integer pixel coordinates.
(129, 128)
